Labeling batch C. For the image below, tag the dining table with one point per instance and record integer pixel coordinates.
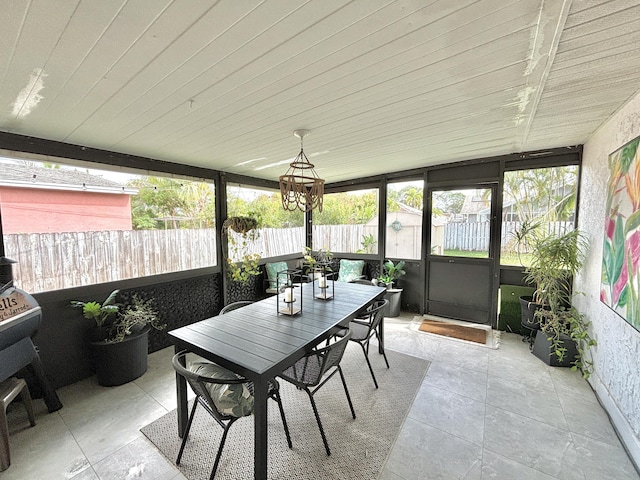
(259, 342)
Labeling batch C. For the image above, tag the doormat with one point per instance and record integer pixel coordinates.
(445, 329)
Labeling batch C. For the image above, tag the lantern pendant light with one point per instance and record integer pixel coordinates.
(300, 187)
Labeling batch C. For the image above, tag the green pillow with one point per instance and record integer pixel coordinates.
(233, 399)
(272, 272)
(350, 270)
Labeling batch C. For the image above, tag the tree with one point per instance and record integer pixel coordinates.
(448, 202)
(543, 194)
(412, 196)
(166, 203)
(347, 208)
(199, 203)
(267, 207)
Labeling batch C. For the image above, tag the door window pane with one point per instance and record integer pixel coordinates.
(536, 201)
(348, 222)
(460, 222)
(404, 220)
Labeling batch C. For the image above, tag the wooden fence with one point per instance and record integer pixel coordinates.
(474, 236)
(467, 236)
(339, 238)
(53, 261)
(547, 228)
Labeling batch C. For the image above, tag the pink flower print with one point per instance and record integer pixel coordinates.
(610, 227)
(632, 247)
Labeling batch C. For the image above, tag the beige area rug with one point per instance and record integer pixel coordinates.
(457, 330)
(359, 448)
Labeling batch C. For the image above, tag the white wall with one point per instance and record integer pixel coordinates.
(617, 355)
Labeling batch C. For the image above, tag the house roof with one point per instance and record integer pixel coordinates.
(473, 204)
(32, 176)
(382, 85)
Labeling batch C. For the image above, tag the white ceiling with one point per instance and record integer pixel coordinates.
(382, 85)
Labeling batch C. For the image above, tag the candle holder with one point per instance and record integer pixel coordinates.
(324, 283)
(287, 301)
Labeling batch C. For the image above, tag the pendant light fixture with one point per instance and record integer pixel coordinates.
(300, 187)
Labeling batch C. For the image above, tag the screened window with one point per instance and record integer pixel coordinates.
(280, 231)
(348, 222)
(404, 220)
(538, 201)
(70, 226)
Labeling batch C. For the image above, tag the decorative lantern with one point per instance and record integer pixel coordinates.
(323, 281)
(288, 297)
(300, 187)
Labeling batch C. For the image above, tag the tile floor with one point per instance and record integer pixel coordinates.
(480, 414)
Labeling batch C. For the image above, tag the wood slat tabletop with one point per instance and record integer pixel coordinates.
(255, 340)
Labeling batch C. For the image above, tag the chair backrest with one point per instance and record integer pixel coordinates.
(362, 281)
(310, 369)
(199, 383)
(234, 306)
(331, 355)
(376, 314)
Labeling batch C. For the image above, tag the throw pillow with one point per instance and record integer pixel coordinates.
(233, 399)
(350, 270)
(272, 272)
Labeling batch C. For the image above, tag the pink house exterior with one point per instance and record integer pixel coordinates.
(39, 200)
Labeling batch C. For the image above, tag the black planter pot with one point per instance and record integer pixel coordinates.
(121, 362)
(543, 350)
(528, 310)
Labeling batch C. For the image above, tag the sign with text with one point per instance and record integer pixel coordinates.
(12, 303)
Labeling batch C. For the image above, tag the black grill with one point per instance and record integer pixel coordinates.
(20, 317)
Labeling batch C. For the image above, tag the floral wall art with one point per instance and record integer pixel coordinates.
(620, 285)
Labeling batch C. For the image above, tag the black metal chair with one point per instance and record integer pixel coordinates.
(314, 370)
(226, 395)
(365, 327)
(234, 306)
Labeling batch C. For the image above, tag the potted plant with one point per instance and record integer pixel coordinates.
(119, 338)
(242, 266)
(390, 273)
(312, 259)
(562, 339)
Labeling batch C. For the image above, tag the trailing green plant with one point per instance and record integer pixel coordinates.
(239, 224)
(391, 272)
(568, 322)
(241, 265)
(115, 321)
(246, 268)
(555, 260)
